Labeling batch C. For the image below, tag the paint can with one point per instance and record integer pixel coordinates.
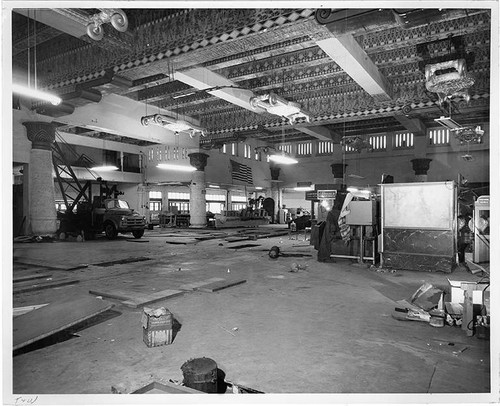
(200, 374)
(437, 318)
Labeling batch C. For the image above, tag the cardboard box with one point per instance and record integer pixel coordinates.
(457, 293)
(157, 327)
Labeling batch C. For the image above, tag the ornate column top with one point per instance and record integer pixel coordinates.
(198, 160)
(421, 165)
(275, 172)
(338, 169)
(41, 134)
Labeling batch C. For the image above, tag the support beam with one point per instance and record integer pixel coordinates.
(348, 54)
(92, 142)
(121, 116)
(203, 78)
(414, 125)
(56, 20)
(321, 133)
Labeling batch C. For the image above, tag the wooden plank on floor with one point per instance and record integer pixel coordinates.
(30, 286)
(56, 317)
(162, 388)
(31, 277)
(236, 239)
(47, 264)
(146, 299)
(216, 286)
(195, 285)
(114, 294)
(137, 299)
(18, 311)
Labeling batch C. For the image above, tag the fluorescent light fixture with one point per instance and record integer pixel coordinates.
(172, 124)
(282, 159)
(279, 106)
(104, 168)
(448, 123)
(36, 94)
(258, 188)
(304, 186)
(214, 186)
(174, 167)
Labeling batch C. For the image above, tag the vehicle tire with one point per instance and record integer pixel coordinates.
(138, 233)
(110, 231)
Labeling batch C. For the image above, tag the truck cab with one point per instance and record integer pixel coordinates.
(115, 216)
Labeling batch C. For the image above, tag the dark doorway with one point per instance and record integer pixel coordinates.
(18, 214)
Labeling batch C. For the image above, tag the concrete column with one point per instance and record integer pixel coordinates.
(421, 166)
(197, 200)
(41, 197)
(275, 191)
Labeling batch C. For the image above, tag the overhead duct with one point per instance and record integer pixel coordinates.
(357, 21)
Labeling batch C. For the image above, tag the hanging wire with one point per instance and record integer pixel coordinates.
(34, 56)
(343, 145)
(29, 54)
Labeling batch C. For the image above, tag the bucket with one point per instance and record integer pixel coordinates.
(200, 374)
(437, 318)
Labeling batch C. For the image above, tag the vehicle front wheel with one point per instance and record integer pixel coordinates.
(138, 233)
(110, 231)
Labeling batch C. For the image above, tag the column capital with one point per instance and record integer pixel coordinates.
(41, 134)
(338, 170)
(421, 165)
(198, 160)
(275, 172)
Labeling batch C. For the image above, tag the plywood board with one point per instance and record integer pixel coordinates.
(137, 299)
(46, 264)
(163, 388)
(146, 299)
(30, 286)
(216, 286)
(196, 285)
(31, 277)
(56, 317)
(18, 311)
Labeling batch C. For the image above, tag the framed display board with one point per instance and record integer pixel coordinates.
(419, 205)
(419, 226)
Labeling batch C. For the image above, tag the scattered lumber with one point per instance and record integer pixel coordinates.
(55, 317)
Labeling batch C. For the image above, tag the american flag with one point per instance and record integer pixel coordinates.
(241, 172)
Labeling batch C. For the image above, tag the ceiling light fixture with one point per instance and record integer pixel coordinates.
(173, 167)
(115, 16)
(281, 158)
(172, 124)
(28, 91)
(36, 94)
(104, 168)
(303, 187)
(356, 143)
(275, 104)
(448, 122)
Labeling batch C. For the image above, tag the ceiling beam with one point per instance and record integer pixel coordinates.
(83, 140)
(319, 132)
(203, 79)
(56, 20)
(121, 116)
(414, 125)
(348, 54)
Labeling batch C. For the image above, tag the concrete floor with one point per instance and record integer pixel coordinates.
(325, 329)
